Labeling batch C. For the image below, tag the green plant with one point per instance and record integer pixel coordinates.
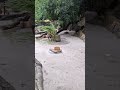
(40, 9)
(51, 31)
(66, 11)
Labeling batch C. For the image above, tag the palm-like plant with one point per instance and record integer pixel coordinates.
(51, 31)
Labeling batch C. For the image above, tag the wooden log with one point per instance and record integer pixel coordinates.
(24, 19)
(16, 22)
(12, 16)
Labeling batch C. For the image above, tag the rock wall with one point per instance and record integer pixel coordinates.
(81, 33)
(38, 75)
(113, 24)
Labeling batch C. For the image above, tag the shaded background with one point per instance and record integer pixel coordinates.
(102, 45)
(17, 46)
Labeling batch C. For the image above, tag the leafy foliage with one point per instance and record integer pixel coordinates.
(40, 11)
(66, 11)
(51, 30)
(21, 5)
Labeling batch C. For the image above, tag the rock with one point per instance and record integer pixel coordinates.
(38, 75)
(89, 16)
(81, 35)
(57, 38)
(113, 25)
(81, 22)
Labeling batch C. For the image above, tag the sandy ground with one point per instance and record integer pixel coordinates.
(64, 71)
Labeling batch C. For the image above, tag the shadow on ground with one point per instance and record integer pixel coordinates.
(4, 85)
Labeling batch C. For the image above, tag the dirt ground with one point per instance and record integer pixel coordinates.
(66, 70)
